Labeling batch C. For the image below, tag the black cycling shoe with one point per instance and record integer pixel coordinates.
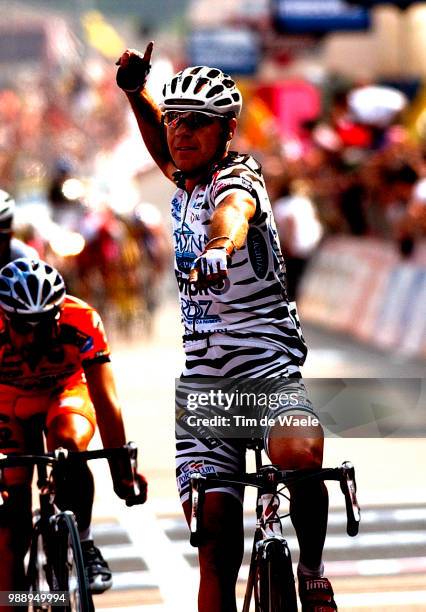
(98, 572)
(316, 595)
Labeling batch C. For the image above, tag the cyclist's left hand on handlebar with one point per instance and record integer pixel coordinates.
(134, 69)
(140, 491)
(132, 491)
(210, 267)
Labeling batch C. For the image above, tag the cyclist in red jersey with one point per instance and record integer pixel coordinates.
(54, 368)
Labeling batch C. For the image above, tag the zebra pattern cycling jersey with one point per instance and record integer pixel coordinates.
(251, 304)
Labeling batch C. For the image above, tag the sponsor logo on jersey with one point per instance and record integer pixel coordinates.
(198, 312)
(193, 466)
(187, 245)
(176, 208)
(258, 252)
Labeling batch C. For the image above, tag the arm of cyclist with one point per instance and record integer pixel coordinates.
(133, 69)
(228, 233)
(101, 385)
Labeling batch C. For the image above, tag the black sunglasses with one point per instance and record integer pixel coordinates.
(23, 326)
(192, 119)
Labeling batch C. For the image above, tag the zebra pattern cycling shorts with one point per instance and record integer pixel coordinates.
(211, 449)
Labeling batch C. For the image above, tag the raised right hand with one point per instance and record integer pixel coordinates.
(133, 69)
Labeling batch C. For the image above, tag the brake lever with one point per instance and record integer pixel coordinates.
(348, 488)
(196, 497)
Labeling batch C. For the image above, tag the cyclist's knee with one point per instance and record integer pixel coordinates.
(295, 447)
(71, 431)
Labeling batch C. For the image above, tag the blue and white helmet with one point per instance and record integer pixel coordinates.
(30, 287)
(7, 210)
(204, 89)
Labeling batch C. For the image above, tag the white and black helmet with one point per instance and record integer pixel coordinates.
(7, 210)
(204, 89)
(30, 287)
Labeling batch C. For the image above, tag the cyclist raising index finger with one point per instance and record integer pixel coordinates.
(236, 315)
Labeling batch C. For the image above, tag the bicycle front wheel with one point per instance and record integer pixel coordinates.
(68, 565)
(40, 578)
(275, 586)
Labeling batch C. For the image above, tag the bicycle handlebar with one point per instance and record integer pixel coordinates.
(269, 477)
(61, 456)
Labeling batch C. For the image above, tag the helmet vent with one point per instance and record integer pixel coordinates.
(186, 83)
(46, 289)
(20, 292)
(57, 297)
(213, 73)
(200, 84)
(173, 85)
(196, 70)
(33, 286)
(3, 285)
(236, 97)
(228, 83)
(22, 265)
(223, 102)
(9, 301)
(214, 91)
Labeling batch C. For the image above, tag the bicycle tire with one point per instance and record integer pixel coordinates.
(39, 571)
(275, 580)
(68, 565)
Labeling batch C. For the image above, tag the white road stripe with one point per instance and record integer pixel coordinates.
(167, 567)
(388, 598)
(115, 552)
(133, 580)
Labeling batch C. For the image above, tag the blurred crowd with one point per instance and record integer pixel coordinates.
(77, 116)
(353, 169)
(60, 141)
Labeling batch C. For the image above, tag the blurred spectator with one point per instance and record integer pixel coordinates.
(147, 227)
(10, 248)
(400, 182)
(299, 229)
(55, 188)
(417, 208)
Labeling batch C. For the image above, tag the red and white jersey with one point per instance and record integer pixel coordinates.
(80, 341)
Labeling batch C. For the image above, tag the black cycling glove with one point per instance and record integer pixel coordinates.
(132, 77)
